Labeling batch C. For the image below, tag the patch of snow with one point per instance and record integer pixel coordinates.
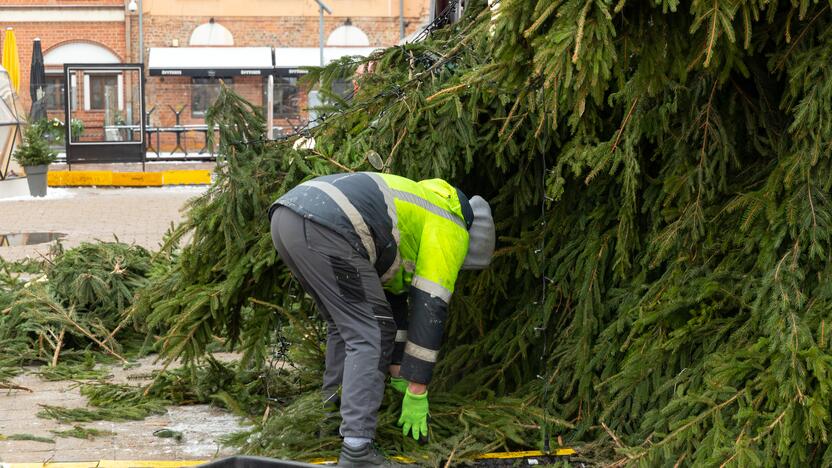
(202, 426)
(195, 189)
(52, 193)
(166, 189)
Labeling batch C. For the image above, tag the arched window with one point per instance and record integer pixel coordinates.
(79, 52)
(211, 34)
(95, 84)
(348, 36)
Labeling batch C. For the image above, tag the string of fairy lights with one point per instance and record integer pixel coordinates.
(542, 329)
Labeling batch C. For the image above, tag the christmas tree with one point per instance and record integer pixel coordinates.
(660, 175)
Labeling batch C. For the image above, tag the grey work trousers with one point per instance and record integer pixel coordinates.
(349, 296)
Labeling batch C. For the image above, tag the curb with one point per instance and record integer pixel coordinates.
(127, 179)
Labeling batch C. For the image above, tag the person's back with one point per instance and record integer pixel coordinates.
(383, 216)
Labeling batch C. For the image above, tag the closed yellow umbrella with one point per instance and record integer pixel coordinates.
(11, 59)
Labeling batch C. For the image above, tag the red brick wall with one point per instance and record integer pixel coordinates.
(171, 93)
(162, 30)
(167, 92)
(247, 31)
(29, 3)
(110, 35)
(292, 31)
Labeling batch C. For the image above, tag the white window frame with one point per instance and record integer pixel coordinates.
(73, 91)
(119, 87)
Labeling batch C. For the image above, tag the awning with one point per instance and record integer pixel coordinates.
(290, 60)
(210, 61)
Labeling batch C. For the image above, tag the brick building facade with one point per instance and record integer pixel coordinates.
(165, 93)
(86, 24)
(108, 30)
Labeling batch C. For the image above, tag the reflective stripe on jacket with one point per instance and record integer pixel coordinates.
(413, 233)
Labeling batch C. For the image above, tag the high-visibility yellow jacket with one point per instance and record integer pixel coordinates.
(414, 233)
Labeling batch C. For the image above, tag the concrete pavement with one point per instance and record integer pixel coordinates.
(134, 215)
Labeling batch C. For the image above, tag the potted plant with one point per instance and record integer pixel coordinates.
(35, 156)
(54, 131)
(76, 128)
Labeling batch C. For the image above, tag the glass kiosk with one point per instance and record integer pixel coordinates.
(104, 114)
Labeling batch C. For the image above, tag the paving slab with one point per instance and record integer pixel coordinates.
(136, 215)
(202, 426)
(133, 215)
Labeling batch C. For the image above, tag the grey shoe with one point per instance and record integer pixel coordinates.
(366, 455)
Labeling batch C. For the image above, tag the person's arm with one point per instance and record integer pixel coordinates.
(441, 253)
(398, 305)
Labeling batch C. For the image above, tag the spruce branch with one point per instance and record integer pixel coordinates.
(579, 33)
(389, 161)
(782, 61)
(446, 91)
(692, 422)
(712, 32)
(511, 112)
(624, 125)
(693, 266)
(552, 6)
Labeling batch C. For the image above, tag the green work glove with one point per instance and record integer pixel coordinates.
(399, 384)
(414, 416)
